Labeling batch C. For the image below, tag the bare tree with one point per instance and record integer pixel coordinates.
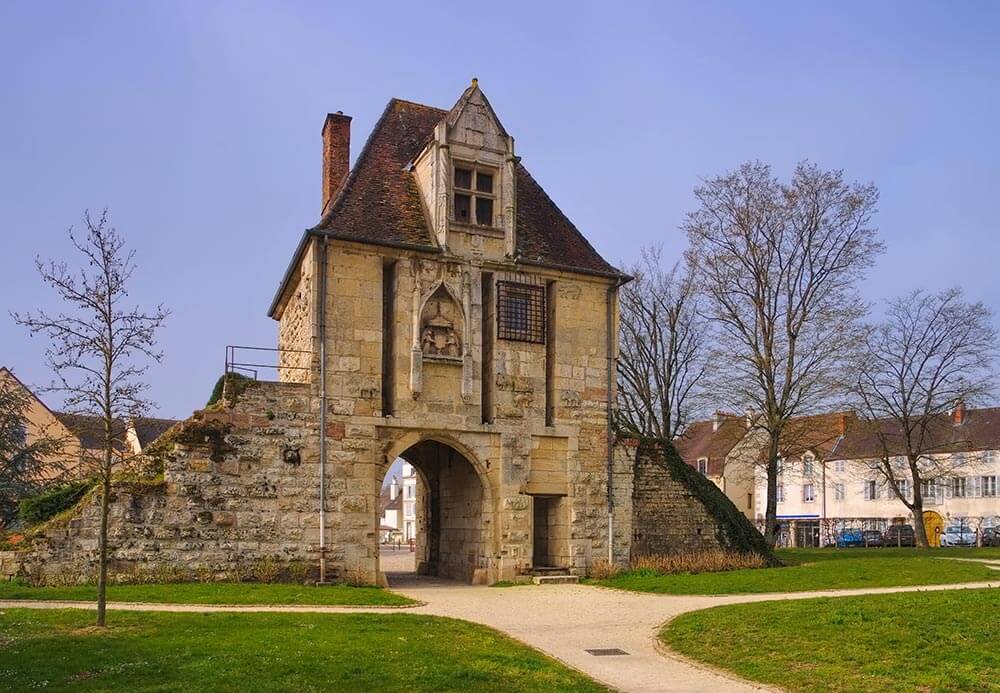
(778, 264)
(27, 463)
(931, 357)
(97, 346)
(662, 357)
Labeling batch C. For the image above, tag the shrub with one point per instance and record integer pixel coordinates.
(708, 561)
(51, 502)
(237, 384)
(603, 569)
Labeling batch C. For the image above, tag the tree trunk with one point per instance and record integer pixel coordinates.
(771, 512)
(918, 517)
(102, 576)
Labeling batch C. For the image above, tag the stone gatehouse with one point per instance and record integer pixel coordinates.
(443, 311)
(447, 312)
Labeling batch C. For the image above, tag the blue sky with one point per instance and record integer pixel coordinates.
(198, 124)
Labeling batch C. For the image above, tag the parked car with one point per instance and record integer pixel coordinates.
(851, 536)
(899, 535)
(872, 537)
(958, 535)
(991, 536)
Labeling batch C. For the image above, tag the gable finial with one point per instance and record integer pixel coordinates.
(475, 82)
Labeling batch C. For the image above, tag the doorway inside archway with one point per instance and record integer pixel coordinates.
(441, 530)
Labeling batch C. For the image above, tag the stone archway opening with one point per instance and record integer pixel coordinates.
(448, 515)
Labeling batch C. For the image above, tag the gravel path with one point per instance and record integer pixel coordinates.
(564, 621)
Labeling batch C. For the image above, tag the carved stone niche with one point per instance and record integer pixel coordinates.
(441, 327)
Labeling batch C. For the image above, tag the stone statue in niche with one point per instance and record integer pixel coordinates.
(440, 326)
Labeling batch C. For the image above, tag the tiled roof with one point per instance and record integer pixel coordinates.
(149, 429)
(817, 433)
(701, 440)
(380, 203)
(546, 236)
(90, 430)
(979, 430)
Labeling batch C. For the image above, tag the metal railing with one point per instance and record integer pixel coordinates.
(251, 368)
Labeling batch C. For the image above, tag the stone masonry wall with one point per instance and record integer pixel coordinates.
(295, 329)
(676, 509)
(238, 499)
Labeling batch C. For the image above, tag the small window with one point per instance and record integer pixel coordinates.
(808, 493)
(929, 490)
(958, 487)
(484, 211)
(838, 466)
(781, 493)
(989, 484)
(521, 312)
(463, 178)
(703, 465)
(463, 207)
(807, 464)
(871, 490)
(904, 487)
(473, 196)
(838, 492)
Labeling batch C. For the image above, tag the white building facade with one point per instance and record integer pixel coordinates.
(822, 493)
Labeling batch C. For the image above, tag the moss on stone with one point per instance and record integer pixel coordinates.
(207, 434)
(232, 385)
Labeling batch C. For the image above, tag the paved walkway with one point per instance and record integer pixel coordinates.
(564, 621)
(567, 620)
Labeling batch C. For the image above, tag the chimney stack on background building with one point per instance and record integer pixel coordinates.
(958, 413)
(336, 154)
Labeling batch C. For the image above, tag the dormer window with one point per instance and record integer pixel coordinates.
(474, 195)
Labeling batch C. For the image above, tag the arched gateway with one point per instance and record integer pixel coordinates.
(454, 512)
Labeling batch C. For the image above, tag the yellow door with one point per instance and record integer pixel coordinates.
(933, 525)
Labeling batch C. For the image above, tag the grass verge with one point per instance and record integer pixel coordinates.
(926, 641)
(215, 593)
(60, 650)
(821, 569)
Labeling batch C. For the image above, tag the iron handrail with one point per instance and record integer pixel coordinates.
(232, 365)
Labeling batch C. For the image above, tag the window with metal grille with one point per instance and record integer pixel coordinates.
(521, 312)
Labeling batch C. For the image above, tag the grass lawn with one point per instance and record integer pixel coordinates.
(927, 641)
(214, 593)
(60, 650)
(822, 569)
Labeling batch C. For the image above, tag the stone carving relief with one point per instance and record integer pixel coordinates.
(441, 326)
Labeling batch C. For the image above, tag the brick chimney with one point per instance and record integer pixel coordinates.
(958, 413)
(336, 154)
